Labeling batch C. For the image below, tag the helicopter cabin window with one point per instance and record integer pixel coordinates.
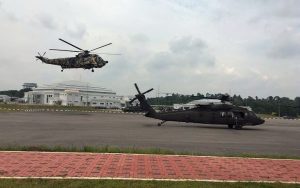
(222, 114)
(230, 114)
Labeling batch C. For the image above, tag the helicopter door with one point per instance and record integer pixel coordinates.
(224, 117)
(239, 117)
(229, 117)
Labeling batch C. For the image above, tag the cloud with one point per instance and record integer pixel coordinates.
(183, 53)
(187, 44)
(284, 47)
(274, 10)
(139, 38)
(190, 4)
(8, 14)
(47, 21)
(77, 30)
(182, 46)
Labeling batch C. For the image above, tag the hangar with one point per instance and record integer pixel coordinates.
(73, 93)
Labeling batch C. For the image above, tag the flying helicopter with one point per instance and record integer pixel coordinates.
(220, 113)
(84, 59)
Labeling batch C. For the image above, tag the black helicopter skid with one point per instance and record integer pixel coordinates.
(161, 123)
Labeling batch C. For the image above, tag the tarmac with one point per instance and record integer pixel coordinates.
(275, 137)
(146, 167)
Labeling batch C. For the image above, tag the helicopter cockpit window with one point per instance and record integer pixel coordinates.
(230, 114)
(252, 114)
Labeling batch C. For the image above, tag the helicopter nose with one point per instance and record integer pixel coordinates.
(259, 121)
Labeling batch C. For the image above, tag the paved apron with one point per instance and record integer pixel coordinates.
(136, 166)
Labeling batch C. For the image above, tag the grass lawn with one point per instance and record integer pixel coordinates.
(42, 183)
(111, 149)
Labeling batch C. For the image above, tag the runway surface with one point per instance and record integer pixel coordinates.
(280, 137)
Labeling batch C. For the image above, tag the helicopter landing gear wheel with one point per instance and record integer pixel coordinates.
(160, 124)
(92, 70)
(62, 70)
(230, 126)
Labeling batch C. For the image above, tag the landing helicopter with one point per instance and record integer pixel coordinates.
(84, 59)
(223, 113)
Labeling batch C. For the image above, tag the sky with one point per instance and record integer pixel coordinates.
(248, 48)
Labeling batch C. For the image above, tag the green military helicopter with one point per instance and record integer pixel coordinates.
(84, 59)
(219, 113)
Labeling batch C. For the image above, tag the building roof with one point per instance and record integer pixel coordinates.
(6, 96)
(74, 86)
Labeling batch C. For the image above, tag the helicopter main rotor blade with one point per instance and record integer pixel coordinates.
(147, 91)
(71, 44)
(107, 53)
(137, 88)
(101, 47)
(65, 50)
(131, 101)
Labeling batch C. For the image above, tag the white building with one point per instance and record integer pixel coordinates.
(73, 93)
(4, 98)
(124, 100)
(29, 85)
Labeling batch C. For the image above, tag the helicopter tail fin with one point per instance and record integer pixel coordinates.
(41, 57)
(143, 102)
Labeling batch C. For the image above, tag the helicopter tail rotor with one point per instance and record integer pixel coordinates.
(40, 57)
(144, 105)
(139, 93)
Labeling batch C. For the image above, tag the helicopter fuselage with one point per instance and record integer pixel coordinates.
(212, 114)
(228, 114)
(84, 59)
(80, 61)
